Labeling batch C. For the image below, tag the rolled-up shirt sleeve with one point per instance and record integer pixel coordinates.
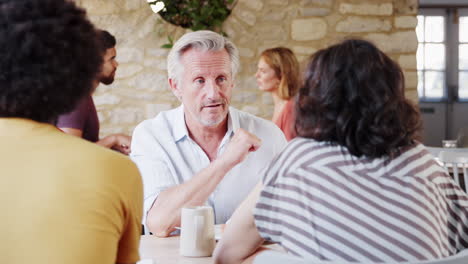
(146, 154)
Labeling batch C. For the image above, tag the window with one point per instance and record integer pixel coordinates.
(463, 57)
(431, 56)
(442, 54)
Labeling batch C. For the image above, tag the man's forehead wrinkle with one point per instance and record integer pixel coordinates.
(198, 65)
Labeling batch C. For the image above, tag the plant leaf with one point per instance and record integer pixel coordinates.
(167, 46)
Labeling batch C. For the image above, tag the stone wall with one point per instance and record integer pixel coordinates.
(141, 90)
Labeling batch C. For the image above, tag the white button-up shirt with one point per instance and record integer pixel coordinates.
(167, 156)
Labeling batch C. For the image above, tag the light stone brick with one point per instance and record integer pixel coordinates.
(360, 24)
(308, 29)
(252, 109)
(105, 131)
(157, 52)
(333, 18)
(263, 47)
(385, 9)
(121, 27)
(411, 79)
(256, 5)
(308, 12)
(127, 70)
(245, 97)
(246, 52)
(301, 50)
(246, 40)
(246, 16)
(100, 7)
(140, 96)
(149, 81)
(131, 5)
(272, 15)
(268, 112)
(267, 99)
(412, 95)
(102, 88)
(408, 62)
(316, 2)
(161, 64)
(406, 22)
(126, 55)
(272, 33)
(101, 116)
(106, 99)
(237, 25)
(406, 7)
(153, 63)
(278, 2)
(229, 31)
(293, 11)
(147, 28)
(246, 83)
(249, 68)
(303, 58)
(125, 115)
(399, 42)
(152, 110)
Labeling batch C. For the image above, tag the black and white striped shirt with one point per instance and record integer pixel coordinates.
(321, 202)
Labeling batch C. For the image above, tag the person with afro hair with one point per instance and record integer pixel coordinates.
(64, 200)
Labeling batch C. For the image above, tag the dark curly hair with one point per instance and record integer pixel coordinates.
(353, 95)
(49, 57)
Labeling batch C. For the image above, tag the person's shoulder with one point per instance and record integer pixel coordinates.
(418, 155)
(78, 116)
(307, 144)
(308, 148)
(94, 158)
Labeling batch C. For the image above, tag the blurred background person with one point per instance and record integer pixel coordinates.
(278, 73)
(83, 121)
(64, 200)
(355, 185)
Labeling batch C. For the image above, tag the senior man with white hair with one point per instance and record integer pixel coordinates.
(204, 151)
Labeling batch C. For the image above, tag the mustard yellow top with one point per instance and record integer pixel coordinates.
(65, 200)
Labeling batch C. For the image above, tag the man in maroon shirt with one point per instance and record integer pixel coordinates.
(83, 120)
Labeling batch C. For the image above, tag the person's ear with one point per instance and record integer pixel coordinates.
(175, 88)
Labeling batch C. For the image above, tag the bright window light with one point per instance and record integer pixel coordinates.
(157, 7)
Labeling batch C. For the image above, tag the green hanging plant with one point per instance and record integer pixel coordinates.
(195, 14)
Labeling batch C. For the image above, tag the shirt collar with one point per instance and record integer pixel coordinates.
(181, 131)
(233, 120)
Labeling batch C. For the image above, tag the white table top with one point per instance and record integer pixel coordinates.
(165, 251)
(155, 250)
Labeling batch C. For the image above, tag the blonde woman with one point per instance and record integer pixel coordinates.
(278, 73)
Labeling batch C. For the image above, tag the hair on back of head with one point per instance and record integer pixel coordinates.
(353, 96)
(107, 39)
(49, 58)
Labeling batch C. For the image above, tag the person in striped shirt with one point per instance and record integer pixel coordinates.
(356, 185)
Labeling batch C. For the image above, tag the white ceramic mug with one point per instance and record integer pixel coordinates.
(197, 231)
